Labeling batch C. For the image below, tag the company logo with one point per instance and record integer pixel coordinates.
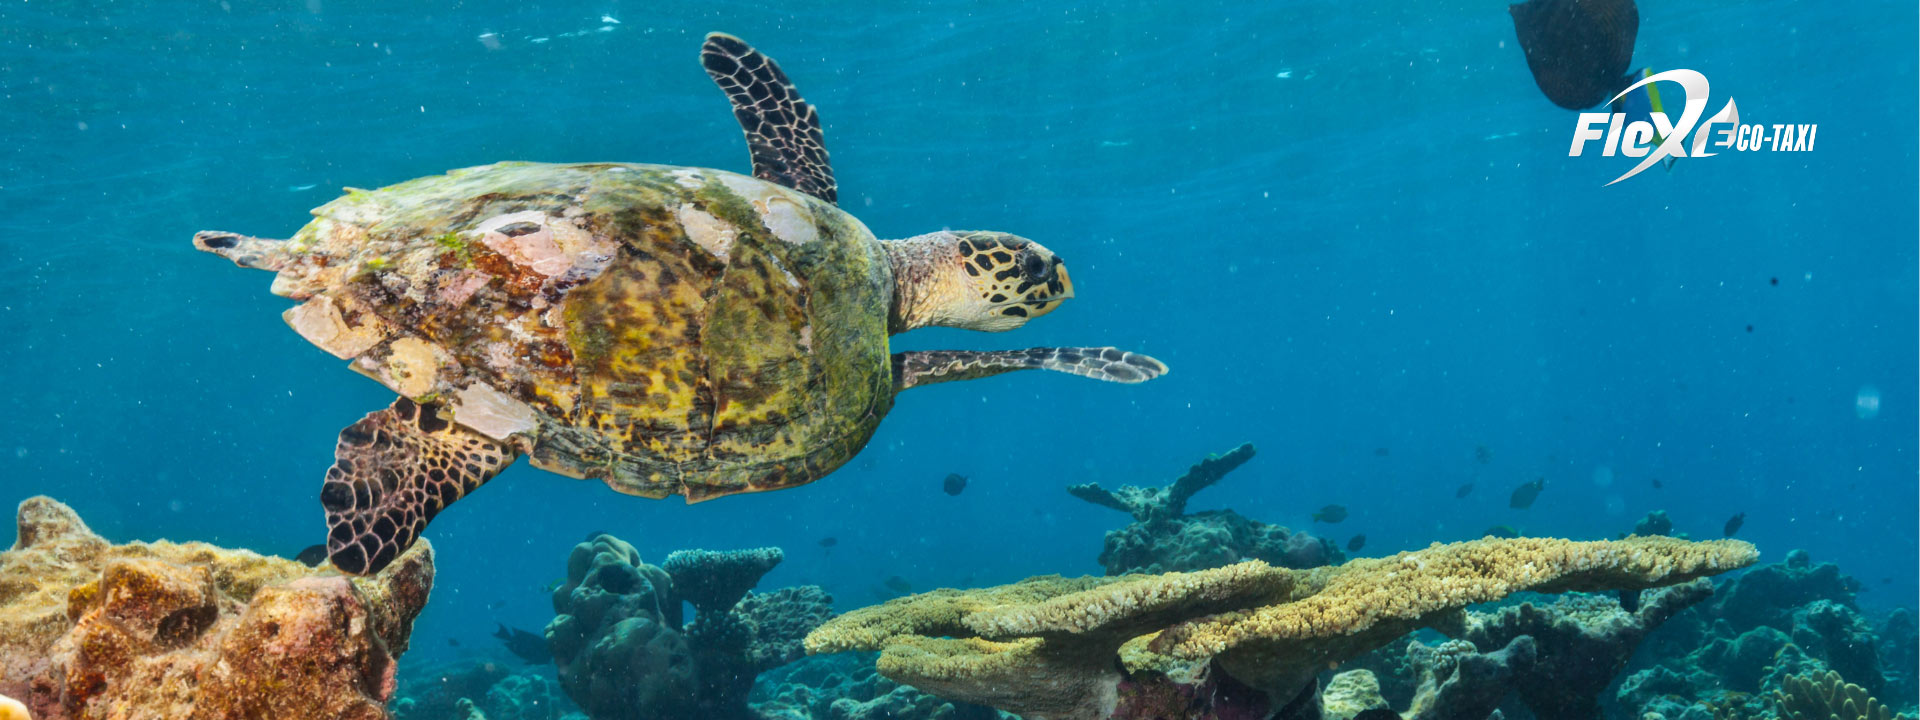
(1661, 138)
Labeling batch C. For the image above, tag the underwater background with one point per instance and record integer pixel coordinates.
(1351, 229)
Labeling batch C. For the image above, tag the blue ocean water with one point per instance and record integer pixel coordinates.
(1348, 227)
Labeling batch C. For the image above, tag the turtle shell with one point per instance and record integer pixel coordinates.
(666, 329)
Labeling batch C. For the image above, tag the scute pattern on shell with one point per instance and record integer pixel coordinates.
(751, 357)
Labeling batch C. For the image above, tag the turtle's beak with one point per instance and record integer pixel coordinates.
(1060, 271)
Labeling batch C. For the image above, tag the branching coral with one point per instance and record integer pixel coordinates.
(166, 630)
(1827, 697)
(1164, 538)
(1056, 647)
(1168, 501)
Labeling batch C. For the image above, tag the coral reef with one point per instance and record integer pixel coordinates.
(1458, 682)
(1164, 538)
(1061, 648)
(846, 687)
(1583, 642)
(479, 688)
(1734, 656)
(89, 629)
(623, 652)
(1350, 693)
(1769, 594)
(1827, 697)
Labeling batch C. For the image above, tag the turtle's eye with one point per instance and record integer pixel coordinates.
(1034, 267)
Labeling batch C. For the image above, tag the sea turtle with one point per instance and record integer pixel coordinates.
(669, 330)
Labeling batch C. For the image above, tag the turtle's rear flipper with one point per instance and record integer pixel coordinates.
(245, 251)
(392, 472)
(913, 369)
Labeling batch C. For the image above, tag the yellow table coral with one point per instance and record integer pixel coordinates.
(1056, 647)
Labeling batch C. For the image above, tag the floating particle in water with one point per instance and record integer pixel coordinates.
(1773, 281)
(1749, 328)
(1524, 495)
(1733, 524)
(1483, 454)
(1284, 74)
(1382, 452)
(608, 19)
(1603, 476)
(490, 41)
(1656, 483)
(1331, 514)
(1866, 403)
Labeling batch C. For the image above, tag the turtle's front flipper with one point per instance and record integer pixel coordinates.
(913, 369)
(392, 472)
(783, 131)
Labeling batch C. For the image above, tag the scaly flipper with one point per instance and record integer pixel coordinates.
(914, 369)
(392, 472)
(783, 131)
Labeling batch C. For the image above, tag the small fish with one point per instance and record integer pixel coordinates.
(954, 483)
(1524, 495)
(554, 584)
(527, 646)
(1464, 491)
(1358, 541)
(898, 584)
(301, 188)
(1656, 483)
(608, 19)
(827, 542)
(1630, 600)
(1733, 524)
(1331, 514)
(312, 556)
(1502, 531)
(452, 642)
(1483, 454)
(1382, 452)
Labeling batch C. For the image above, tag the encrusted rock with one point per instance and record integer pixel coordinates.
(164, 630)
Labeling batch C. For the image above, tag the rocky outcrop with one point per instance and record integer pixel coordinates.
(162, 630)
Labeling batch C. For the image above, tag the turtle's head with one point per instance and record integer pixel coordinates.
(988, 281)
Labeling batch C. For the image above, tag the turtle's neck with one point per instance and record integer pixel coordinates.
(926, 280)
